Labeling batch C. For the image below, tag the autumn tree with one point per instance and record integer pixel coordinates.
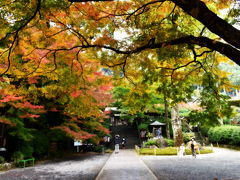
(174, 36)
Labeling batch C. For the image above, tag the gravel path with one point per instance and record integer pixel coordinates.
(83, 167)
(223, 164)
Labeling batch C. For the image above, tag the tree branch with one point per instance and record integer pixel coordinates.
(220, 47)
(198, 10)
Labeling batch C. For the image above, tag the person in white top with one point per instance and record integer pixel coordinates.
(181, 150)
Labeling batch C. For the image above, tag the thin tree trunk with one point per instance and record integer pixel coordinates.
(176, 126)
(166, 116)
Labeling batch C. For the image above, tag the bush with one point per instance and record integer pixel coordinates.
(17, 156)
(170, 151)
(225, 135)
(150, 142)
(97, 148)
(169, 142)
(2, 159)
(167, 151)
(188, 136)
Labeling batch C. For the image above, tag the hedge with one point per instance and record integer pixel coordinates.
(226, 134)
(170, 151)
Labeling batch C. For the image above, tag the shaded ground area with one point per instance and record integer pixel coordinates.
(81, 167)
(223, 164)
(126, 165)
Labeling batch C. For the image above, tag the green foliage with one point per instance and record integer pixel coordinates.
(40, 144)
(2, 159)
(55, 135)
(184, 112)
(26, 149)
(143, 126)
(169, 142)
(188, 136)
(150, 142)
(225, 135)
(97, 148)
(17, 156)
(159, 142)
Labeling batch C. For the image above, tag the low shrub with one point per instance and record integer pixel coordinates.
(108, 151)
(162, 151)
(167, 151)
(170, 151)
(2, 159)
(150, 142)
(188, 136)
(17, 156)
(169, 142)
(225, 135)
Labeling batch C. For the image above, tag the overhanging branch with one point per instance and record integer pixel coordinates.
(223, 48)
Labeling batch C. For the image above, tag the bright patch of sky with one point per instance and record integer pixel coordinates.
(120, 34)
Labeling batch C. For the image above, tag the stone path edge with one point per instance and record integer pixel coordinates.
(100, 172)
(148, 168)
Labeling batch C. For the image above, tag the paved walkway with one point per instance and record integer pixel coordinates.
(126, 165)
(223, 164)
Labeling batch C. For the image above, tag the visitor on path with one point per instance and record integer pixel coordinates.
(181, 152)
(193, 147)
(123, 142)
(117, 141)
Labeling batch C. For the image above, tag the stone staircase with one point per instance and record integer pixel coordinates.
(129, 133)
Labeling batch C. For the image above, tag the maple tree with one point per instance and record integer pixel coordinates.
(41, 38)
(70, 100)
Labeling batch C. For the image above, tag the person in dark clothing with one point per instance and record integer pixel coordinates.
(193, 144)
(123, 142)
(117, 141)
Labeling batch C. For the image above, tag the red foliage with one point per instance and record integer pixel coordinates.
(2, 79)
(28, 115)
(76, 93)
(54, 109)
(98, 73)
(103, 129)
(8, 98)
(33, 80)
(5, 121)
(28, 105)
(80, 135)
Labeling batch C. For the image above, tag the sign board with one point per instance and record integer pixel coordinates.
(77, 142)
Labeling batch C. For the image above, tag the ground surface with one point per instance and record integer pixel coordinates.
(125, 165)
(84, 167)
(224, 164)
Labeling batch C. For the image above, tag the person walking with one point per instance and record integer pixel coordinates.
(117, 141)
(193, 147)
(123, 142)
(181, 152)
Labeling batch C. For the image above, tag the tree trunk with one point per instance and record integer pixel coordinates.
(166, 116)
(176, 126)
